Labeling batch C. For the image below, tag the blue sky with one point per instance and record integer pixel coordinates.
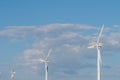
(29, 28)
(38, 12)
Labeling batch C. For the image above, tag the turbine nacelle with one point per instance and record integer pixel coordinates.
(13, 74)
(46, 59)
(99, 45)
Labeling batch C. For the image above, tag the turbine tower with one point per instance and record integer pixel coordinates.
(13, 74)
(46, 64)
(98, 45)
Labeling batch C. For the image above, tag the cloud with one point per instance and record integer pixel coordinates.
(69, 42)
(16, 31)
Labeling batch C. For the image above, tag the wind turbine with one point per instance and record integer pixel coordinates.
(13, 74)
(46, 64)
(98, 45)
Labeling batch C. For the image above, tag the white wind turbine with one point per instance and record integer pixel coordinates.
(46, 64)
(98, 45)
(13, 74)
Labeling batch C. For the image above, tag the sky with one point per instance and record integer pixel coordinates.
(30, 28)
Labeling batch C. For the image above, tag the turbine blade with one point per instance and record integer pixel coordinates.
(49, 53)
(92, 46)
(100, 34)
(41, 60)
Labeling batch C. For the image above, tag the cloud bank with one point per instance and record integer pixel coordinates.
(70, 55)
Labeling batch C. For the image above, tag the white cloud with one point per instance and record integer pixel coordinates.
(17, 31)
(13, 31)
(69, 43)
